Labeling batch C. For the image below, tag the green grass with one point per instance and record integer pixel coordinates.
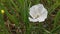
(17, 12)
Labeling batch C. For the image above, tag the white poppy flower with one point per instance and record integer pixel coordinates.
(38, 13)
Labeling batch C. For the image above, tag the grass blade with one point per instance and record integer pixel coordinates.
(56, 19)
(53, 7)
(5, 31)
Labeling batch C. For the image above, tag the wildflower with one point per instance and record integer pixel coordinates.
(38, 13)
(2, 11)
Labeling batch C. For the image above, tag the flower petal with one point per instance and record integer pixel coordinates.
(43, 16)
(33, 20)
(35, 10)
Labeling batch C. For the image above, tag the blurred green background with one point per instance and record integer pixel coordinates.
(14, 18)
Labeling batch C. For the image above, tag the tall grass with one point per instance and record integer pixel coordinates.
(17, 12)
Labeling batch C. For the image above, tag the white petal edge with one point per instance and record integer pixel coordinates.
(33, 20)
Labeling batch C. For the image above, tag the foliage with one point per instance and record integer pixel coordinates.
(17, 12)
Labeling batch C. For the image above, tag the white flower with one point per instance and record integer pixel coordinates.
(38, 13)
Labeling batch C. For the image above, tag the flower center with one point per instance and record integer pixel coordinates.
(37, 16)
